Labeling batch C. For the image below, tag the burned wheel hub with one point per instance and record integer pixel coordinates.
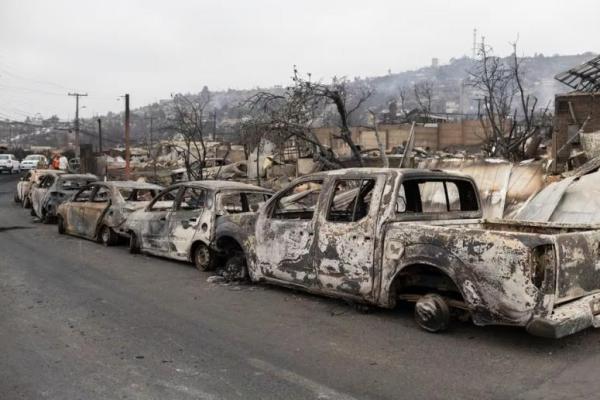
(432, 313)
(202, 258)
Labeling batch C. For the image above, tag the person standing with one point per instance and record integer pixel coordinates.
(55, 162)
(63, 163)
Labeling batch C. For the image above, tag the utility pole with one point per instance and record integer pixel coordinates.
(214, 127)
(77, 96)
(150, 146)
(99, 135)
(127, 150)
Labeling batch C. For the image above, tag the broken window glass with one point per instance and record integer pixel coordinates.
(299, 201)
(351, 200)
(193, 199)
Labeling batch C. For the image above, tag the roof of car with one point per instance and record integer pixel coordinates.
(43, 171)
(131, 185)
(78, 176)
(408, 172)
(223, 185)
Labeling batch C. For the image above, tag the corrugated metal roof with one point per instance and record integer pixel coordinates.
(584, 77)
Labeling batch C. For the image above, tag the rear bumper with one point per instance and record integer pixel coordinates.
(568, 318)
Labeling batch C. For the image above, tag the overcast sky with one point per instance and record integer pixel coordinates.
(152, 48)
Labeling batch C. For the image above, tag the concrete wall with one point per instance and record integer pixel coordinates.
(432, 136)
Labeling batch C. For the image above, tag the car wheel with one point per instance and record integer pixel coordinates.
(108, 237)
(46, 218)
(61, 225)
(32, 212)
(202, 257)
(16, 198)
(432, 313)
(26, 202)
(134, 244)
(235, 268)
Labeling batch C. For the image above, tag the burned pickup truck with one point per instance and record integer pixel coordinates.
(380, 236)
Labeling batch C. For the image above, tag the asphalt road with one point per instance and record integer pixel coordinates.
(80, 321)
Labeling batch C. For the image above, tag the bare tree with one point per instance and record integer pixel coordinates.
(423, 92)
(507, 113)
(190, 122)
(300, 108)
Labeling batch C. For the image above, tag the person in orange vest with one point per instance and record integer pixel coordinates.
(55, 162)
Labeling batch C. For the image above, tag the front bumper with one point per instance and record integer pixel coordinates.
(568, 318)
(27, 166)
(6, 167)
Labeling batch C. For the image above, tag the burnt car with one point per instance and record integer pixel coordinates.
(381, 236)
(99, 210)
(179, 223)
(54, 189)
(31, 178)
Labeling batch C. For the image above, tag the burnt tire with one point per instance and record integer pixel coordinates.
(47, 218)
(107, 236)
(134, 244)
(432, 313)
(202, 257)
(61, 225)
(235, 268)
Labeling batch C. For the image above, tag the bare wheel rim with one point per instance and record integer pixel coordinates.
(201, 257)
(105, 235)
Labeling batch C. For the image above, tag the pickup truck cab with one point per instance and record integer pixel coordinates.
(380, 236)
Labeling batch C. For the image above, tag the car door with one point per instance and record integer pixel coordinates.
(190, 220)
(75, 211)
(345, 251)
(285, 235)
(154, 222)
(37, 195)
(95, 209)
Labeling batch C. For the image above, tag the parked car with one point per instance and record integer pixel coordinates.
(31, 178)
(179, 222)
(9, 163)
(99, 210)
(54, 189)
(380, 236)
(34, 161)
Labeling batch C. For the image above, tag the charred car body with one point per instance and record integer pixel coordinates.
(31, 179)
(379, 236)
(179, 223)
(53, 190)
(99, 210)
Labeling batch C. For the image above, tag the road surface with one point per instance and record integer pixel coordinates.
(81, 321)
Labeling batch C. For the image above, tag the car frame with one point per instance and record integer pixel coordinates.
(99, 210)
(181, 231)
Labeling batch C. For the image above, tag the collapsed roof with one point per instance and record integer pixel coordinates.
(584, 77)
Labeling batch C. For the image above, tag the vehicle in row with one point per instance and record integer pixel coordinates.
(34, 161)
(380, 236)
(9, 163)
(53, 190)
(31, 178)
(180, 222)
(99, 210)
